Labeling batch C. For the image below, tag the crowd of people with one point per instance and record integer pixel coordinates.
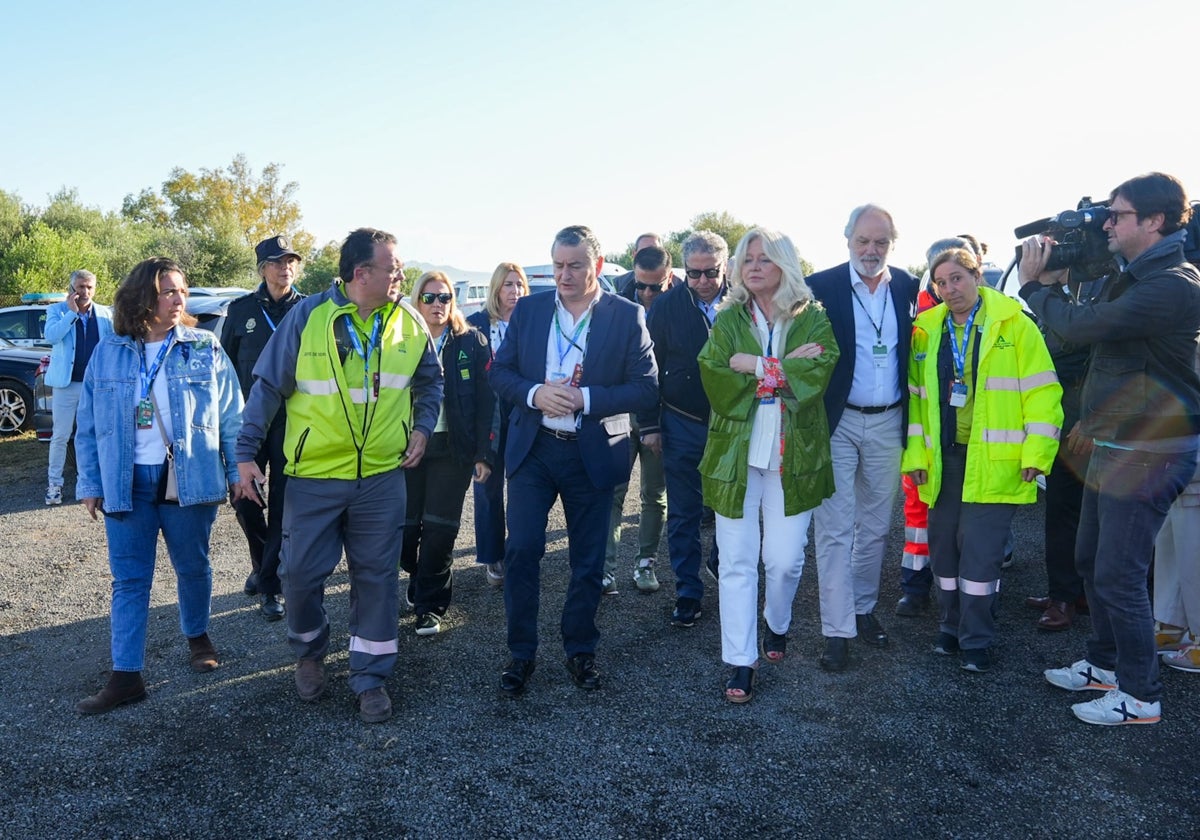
(352, 423)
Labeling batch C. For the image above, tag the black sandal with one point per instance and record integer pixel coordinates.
(774, 646)
(741, 681)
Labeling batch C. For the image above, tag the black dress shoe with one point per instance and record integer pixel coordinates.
(251, 587)
(870, 631)
(583, 671)
(837, 654)
(271, 609)
(911, 606)
(514, 676)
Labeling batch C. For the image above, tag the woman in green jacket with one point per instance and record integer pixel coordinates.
(764, 369)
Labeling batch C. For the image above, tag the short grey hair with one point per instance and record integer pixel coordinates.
(857, 213)
(947, 244)
(79, 274)
(705, 242)
(576, 235)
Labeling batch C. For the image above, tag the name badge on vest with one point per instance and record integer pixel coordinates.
(958, 394)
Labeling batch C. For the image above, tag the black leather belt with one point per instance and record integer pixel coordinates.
(873, 409)
(557, 434)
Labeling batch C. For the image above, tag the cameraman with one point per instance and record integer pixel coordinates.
(1141, 410)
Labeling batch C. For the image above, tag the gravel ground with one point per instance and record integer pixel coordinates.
(902, 745)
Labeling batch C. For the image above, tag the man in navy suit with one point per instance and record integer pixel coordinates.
(574, 364)
(870, 305)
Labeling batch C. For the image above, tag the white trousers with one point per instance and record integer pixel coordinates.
(852, 525)
(1176, 570)
(782, 541)
(65, 402)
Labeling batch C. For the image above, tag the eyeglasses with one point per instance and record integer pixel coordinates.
(392, 273)
(648, 287)
(440, 297)
(710, 273)
(1114, 216)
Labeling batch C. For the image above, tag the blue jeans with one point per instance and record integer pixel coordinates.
(683, 445)
(1125, 501)
(132, 546)
(554, 469)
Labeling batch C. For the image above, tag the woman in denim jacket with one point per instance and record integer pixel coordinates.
(157, 379)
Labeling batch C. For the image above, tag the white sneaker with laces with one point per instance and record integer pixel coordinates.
(1082, 676)
(54, 494)
(1117, 709)
(609, 584)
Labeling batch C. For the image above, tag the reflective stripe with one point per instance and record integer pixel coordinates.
(358, 396)
(928, 442)
(948, 584)
(1044, 429)
(1037, 380)
(917, 390)
(916, 562)
(916, 430)
(974, 587)
(1003, 436)
(918, 535)
(394, 380)
(310, 636)
(1003, 383)
(317, 387)
(360, 645)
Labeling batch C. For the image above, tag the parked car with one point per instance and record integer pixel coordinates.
(24, 325)
(18, 369)
(210, 309)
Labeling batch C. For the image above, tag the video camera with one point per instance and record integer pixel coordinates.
(1080, 241)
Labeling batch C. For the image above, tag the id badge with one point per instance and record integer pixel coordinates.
(375, 383)
(879, 355)
(145, 414)
(557, 377)
(576, 376)
(958, 394)
(767, 400)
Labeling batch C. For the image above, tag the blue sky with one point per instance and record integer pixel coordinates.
(474, 130)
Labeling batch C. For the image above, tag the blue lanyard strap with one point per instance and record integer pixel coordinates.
(148, 377)
(270, 322)
(442, 340)
(372, 342)
(573, 340)
(960, 353)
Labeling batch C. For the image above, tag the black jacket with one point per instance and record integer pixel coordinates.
(247, 329)
(678, 329)
(1141, 382)
(469, 402)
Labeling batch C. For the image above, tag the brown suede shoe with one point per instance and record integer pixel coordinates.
(203, 655)
(310, 679)
(123, 687)
(374, 705)
(1057, 616)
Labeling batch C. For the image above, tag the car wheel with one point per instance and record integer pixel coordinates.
(16, 403)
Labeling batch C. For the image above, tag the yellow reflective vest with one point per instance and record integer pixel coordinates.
(1017, 404)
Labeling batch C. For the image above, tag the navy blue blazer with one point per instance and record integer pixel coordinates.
(832, 288)
(618, 369)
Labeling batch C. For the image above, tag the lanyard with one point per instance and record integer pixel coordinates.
(365, 355)
(770, 328)
(148, 377)
(441, 342)
(960, 353)
(270, 323)
(573, 340)
(878, 327)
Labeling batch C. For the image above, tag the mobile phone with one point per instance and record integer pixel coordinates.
(259, 490)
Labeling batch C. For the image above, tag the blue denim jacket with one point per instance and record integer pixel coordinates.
(206, 413)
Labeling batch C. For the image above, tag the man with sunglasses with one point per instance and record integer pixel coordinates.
(249, 324)
(623, 283)
(679, 324)
(870, 306)
(651, 277)
(1140, 408)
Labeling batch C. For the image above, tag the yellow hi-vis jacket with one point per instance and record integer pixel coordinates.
(1017, 404)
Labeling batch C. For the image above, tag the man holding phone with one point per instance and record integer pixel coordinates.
(73, 328)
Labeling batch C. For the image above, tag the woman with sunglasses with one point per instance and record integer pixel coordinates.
(508, 285)
(462, 448)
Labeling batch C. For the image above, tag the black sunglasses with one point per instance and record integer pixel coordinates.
(430, 297)
(641, 287)
(710, 273)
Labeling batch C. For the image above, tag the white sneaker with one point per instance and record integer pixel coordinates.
(1187, 659)
(495, 573)
(54, 494)
(1082, 676)
(1117, 709)
(609, 584)
(644, 577)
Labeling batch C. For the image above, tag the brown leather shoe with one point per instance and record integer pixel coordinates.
(1057, 616)
(310, 679)
(123, 687)
(203, 657)
(1035, 602)
(374, 705)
